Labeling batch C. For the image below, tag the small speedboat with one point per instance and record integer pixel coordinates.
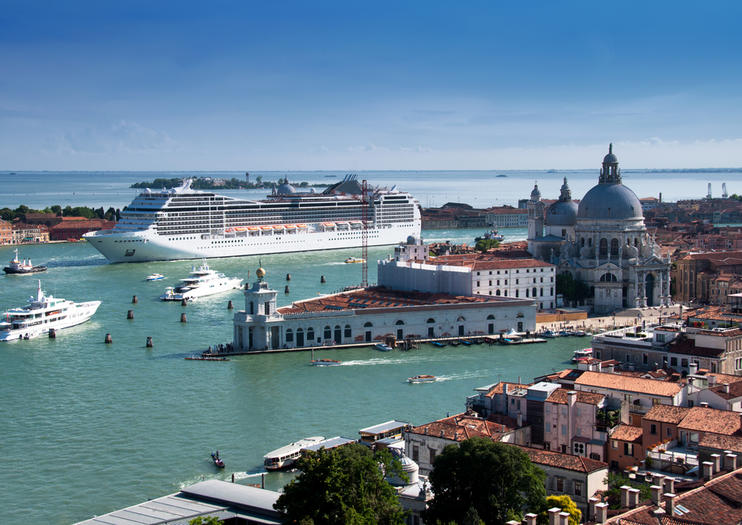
(217, 460)
(466, 342)
(154, 277)
(383, 347)
(454, 343)
(438, 344)
(548, 334)
(421, 379)
(325, 362)
(352, 260)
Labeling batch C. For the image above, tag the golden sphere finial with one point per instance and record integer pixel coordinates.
(260, 273)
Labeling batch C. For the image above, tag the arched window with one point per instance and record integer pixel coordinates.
(460, 318)
(368, 325)
(533, 292)
(328, 332)
(498, 292)
(348, 333)
(582, 242)
(614, 247)
(517, 294)
(399, 323)
(430, 321)
(310, 334)
(526, 292)
(289, 336)
(603, 248)
(608, 278)
(636, 241)
(490, 316)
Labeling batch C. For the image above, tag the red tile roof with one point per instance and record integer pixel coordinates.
(499, 388)
(730, 391)
(488, 261)
(551, 458)
(720, 442)
(666, 414)
(627, 433)
(628, 384)
(462, 426)
(703, 419)
(560, 396)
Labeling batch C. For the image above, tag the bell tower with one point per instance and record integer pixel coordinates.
(535, 218)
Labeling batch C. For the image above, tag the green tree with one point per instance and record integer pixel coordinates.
(345, 485)
(565, 503)
(574, 290)
(56, 209)
(206, 520)
(483, 245)
(497, 480)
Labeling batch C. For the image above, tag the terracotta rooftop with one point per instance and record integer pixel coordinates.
(666, 414)
(379, 297)
(703, 419)
(628, 384)
(729, 391)
(489, 261)
(560, 396)
(716, 502)
(462, 426)
(627, 433)
(720, 442)
(551, 458)
(499, 388)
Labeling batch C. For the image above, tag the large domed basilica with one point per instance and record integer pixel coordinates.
(602, 242)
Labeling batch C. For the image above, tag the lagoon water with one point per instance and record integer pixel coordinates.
(88, 428)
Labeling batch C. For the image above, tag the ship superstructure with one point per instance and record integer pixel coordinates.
(183, 223)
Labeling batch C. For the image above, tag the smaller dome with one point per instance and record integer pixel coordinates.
(561, 213)
(285, 188)
(260, 273)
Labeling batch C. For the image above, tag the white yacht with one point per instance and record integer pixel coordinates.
(44, 313)
(284, 457)
(203, 281)
(182, 223)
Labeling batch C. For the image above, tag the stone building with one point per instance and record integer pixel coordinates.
(602, 242)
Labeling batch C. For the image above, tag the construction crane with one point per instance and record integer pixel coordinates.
(364, 234)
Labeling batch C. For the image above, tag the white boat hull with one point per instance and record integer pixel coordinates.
(204, 290)
(76, 315)
(149, 246)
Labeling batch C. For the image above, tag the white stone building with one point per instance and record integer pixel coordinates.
(604, 244)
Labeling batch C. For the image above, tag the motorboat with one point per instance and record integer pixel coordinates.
(455, 342)
(352, 260)
(491, 235)
(16, 266)
(466, 342)
(438, 344)
(383, 347)
(42, 314)
(154, 277)
(325, 362)
(218, 462)
(421, 379)
(548, 334)
(203, 281)
(579, 355)
(579, 333)
(284, 457)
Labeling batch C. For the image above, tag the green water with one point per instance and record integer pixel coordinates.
(88, 428)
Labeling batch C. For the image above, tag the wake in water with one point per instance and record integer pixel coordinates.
(379, 361)
(92, 260)
(475, 374)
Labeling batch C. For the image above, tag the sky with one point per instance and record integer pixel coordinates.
(416, 85)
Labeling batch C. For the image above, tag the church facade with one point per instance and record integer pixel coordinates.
(602, 242)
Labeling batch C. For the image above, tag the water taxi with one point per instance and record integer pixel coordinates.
(579, 355)
(421, 379)
(325, 362)
(154, 277)
(383, 347)
(353, 260)
(284, 457)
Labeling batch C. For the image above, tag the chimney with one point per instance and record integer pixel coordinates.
(554, 515)
(692, 368)
(670, 485)
(716, 460)
(656, 491)
(505, 388)
(519, 420)
(601, 513)
(708, 470)
(625, 496)
(633, 498)
(658, 479)
(564, 518)
(730, 461)
(725, 388)
(591, 508)
(531, 518)
(571, 398)
(669, 503)
(711, 379)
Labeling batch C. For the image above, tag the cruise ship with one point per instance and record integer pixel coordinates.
(182, 223)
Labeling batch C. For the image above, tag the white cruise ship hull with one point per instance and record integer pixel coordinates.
(77, 314)
(204, 290)
(147, 245)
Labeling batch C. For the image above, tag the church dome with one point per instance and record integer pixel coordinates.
(285, 189)
(561, 213)
(610, 201)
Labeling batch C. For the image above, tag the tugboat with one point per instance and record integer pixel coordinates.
(17, 267)
(217, 460)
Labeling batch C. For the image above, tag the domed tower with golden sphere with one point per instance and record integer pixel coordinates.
(260, 302)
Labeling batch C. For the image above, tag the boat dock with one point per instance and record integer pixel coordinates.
(225, 350)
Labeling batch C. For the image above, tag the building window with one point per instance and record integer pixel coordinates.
(289, 336)
(628, 449)
(432, 453)
(415, 453)
(578, 448)
(310, 333)
(348, 334)
(578, 488)
(328, 332)
(673, 361)
(653, 429)
(614, 443)
(559, 484)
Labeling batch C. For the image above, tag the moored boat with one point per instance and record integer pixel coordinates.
(42, 314)
(424, 378)
(383, 347)
(16, 266)
(284, 457)
(548, 334)
(438, 344)
(579, 355)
